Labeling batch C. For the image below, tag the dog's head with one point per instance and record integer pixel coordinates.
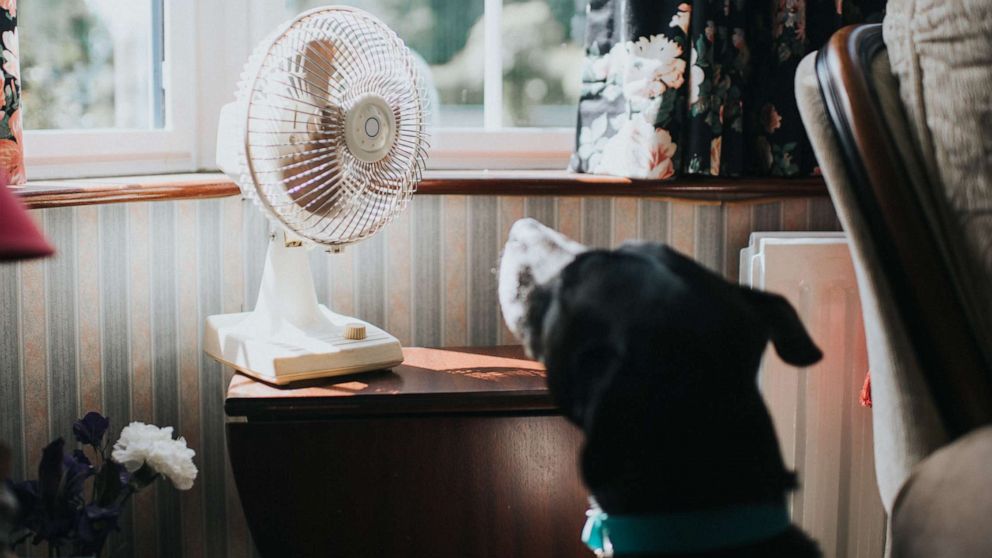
(655, 358)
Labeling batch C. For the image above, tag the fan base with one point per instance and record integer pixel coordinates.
(279, 360)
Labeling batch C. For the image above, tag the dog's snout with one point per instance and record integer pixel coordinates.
(523, 228)
(534, 254)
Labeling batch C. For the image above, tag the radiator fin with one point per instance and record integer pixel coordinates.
(824, 432)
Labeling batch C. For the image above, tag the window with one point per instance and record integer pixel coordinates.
(506, 72)
(534, 82)
(95, 96)
(136, 86)
(88, 65)
(542, 57)
(455, 56)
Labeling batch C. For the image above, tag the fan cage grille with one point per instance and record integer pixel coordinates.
(296, 91)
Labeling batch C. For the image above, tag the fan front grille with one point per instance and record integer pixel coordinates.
(298, 91)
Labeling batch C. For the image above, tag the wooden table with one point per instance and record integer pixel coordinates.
(457, 452)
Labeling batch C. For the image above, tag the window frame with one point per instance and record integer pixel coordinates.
(108, 151)
(495, 146)
(501, 148)
(211, 65)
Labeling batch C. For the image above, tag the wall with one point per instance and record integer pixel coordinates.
(113, 322)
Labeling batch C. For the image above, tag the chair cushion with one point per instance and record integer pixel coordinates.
(943, 510)
(941, 53)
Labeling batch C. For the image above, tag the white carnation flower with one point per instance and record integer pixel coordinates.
(142, 443)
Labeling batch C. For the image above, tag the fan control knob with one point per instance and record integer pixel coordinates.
(354, 331)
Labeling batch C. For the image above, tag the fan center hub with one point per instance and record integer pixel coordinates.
(369, 128)
(372, 127)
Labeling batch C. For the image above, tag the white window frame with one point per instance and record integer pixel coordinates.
(212, 39)
(500, 148)
(495, 146)
(101, 152)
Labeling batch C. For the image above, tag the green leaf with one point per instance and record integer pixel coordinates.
(722, 86)
(713, 119)
(782, 162)
(107, 485)
(706, 88)
(5, 128)
(701, 54)
(665, 108)
(143, 477)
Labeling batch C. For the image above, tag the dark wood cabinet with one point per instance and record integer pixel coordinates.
(455, 453)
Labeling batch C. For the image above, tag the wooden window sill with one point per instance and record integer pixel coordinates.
(64, 193)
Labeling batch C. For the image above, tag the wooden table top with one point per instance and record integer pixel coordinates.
(430, 381)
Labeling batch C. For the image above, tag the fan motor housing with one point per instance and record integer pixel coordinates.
(369, 128)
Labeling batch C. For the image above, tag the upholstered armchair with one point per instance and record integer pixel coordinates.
(917, 235)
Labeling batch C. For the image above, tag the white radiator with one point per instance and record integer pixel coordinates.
(825, 433)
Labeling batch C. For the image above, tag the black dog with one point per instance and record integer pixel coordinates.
(655, 358)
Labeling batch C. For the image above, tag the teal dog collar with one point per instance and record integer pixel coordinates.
(683, 533)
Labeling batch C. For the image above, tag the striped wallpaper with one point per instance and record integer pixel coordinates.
(113, 321)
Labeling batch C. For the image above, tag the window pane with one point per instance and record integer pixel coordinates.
(542, 59)
(449, 35)
(88, 63)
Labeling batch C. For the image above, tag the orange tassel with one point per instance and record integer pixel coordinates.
(866, 391)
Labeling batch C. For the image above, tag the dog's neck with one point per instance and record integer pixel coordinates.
(688, 532)
(694, 491)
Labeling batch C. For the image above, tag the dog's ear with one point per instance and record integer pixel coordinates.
(785, 329)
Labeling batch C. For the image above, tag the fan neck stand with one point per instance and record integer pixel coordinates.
(287, 297)
(290, 336)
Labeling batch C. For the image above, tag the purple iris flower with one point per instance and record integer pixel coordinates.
(48, 505)
(90, 429)
(93, 525)
(54, 507)
(77, 469)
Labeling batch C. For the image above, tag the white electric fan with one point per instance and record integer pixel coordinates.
(327, 136)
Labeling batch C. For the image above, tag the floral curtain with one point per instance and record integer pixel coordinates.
(701, 87)
(11, 142)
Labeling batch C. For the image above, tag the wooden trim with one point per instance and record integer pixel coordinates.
(456, 380)
(560, 183)
(64, 193)
(535, 403)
